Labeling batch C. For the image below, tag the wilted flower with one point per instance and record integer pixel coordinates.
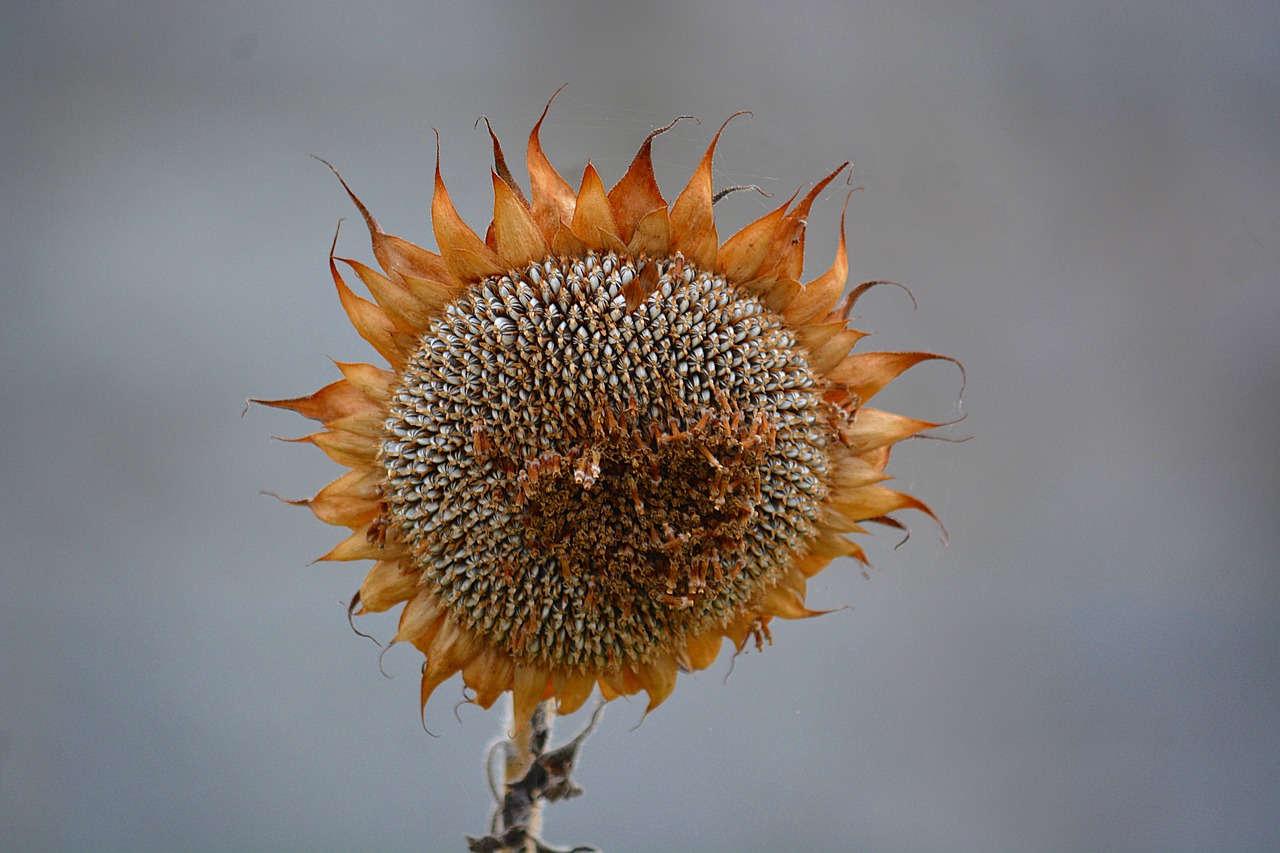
(606, 440)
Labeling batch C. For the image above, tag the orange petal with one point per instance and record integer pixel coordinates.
(402, 307)
(333, 401)
(372, 324)
(489, 674)
(350, 501)
(386, 585)
(872, 428)
(396, 256)
(572, 690)
(702, 650)
(500, 165)
(452, 647)
(875, 501)
(742, 255)
(830, 544)
(827, 356)
(658, 678)
(465, 254)
(851, 472)
(592, 215)
(788, 603)
(530, 686)
(373, 382)
(652, 237)
(358, 547)
(566, 244)
(553, 198)
(820, 295)
(354, 451)
(518, 238)
(420, 621)
(866, 373)
(637, 194)
(693, 224)
(788, 240)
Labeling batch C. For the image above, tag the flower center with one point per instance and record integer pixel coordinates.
(595, 457)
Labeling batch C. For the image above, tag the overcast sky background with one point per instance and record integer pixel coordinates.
(1085, 200)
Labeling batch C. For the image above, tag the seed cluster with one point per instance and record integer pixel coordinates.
(594, 457)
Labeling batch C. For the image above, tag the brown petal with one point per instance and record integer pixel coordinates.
(530, 686)
(872, 428)
(333, 401)
(820, 295)
(553, 198)
(637, 194)
(742, 255)
(788, 240)
(693, 224)
(572, 690)
(465, 254)
(866, 373)
(518, 238)
(386, 585)
(372, 324)
(592, 215)
(652, 238)
(405, 310)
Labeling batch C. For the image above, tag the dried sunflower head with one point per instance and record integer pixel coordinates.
(607, 440)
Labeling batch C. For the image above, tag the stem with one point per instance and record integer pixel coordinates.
(523, 747)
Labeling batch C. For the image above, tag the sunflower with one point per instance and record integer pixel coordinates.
(606, 440)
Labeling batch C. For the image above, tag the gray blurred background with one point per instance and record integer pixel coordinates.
(1085, 200)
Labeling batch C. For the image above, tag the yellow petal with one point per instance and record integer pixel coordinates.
(517, 235)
